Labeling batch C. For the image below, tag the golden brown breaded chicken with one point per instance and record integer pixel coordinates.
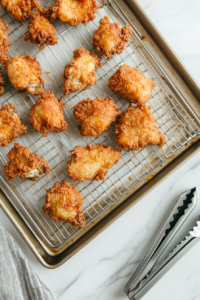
(46, 114)
(4, 44)
(24, 73)
(132, 85)
(24, 164)
(96, 115)
(10, 124)
(63, 203)
(20, 9)
(109, 38)
(74, 12)
(92, 162)
(2, 83)
(137, 129)
(41, 29)
(81, 71)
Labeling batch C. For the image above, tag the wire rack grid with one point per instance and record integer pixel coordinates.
(173, 119)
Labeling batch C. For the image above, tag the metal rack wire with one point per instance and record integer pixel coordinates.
(172, 116)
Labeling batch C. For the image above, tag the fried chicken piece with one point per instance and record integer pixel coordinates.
(24, 164)
(2, 83)
(109, 38)
(92, 162)
(81, 71)
(10, 124)
(4, 44)
(96, 115)
(41, 29)
(132, 85)
(137, 129)
(20, 9)
(63, 203)
(46, 114)
(74, 12)
(24, 73)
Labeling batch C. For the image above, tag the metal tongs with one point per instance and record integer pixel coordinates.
(149, 271)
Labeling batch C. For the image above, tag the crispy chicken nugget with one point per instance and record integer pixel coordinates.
(74, 12)
(46, 114)
(63, 203)
(4, 44)
(81, 71)
(92, 162)
(41, 29)
(24, 164)
(137, 129)
(2, 83)
(132, 85)
(24, 73)
(20, 9)
(96, 115)
(109, 38)
(10, 124)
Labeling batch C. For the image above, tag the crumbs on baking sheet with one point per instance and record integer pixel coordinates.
(150, 176)
(130, 178)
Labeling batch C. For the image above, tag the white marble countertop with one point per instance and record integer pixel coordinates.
(101, 269)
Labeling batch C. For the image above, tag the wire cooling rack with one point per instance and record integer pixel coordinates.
(174, 120)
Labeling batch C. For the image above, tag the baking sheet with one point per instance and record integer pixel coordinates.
(173, 118)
